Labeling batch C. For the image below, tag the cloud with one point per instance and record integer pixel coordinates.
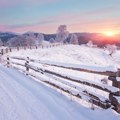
(43, 26)
(94, 20)
(12, 3)
(101, 11)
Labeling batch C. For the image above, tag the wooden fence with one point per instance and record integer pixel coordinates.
(10, 49)
(81, 93)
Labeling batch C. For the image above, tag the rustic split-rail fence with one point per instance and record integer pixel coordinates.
(65, 82)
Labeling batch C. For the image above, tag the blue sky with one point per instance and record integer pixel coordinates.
(46, 15)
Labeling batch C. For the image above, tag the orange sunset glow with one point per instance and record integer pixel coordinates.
(109, 33)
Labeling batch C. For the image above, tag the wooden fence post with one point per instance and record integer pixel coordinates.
(10, 49)
(2, 52)
(17, 48)
(26, 64)
(118, 73)
(8, 62)
(6, 50)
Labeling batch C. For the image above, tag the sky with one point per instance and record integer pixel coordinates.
(46, 15)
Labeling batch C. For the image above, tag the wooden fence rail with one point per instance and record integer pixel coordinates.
(106, 73)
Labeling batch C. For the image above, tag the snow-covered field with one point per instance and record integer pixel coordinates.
(69, 54)
(32, 100)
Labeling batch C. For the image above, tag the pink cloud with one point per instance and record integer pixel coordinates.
(3, 27)
(101, 11)
(11, 3)
(78, 22)
(51, 28)
(37, 28)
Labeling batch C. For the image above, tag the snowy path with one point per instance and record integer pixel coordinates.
(22, 98)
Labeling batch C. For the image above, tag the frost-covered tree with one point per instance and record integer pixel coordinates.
(62, 33)
(31, 34)
(74, 39)
(21, 40)
(111, 49)
(1, 43)
(16, 41)
(39, 39)
(52, 40)
(29, 41)
(90, 43)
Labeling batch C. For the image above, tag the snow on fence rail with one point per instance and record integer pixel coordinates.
(72, 78)
(107, 70)
(75, 91)
(110, 71)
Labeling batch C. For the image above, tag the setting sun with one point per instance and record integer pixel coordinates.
(109, 33)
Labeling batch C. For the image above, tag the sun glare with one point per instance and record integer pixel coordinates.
(109, 33)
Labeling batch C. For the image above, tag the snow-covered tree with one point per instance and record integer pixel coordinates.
(52, 40)
(31, 34)
(29, 41)
(39, 39)
(111, 49)
(16, 41)
(90, 43)
(21, 40)
(74, 39)
(62, 33)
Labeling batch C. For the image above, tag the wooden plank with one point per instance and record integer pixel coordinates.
(106, 73)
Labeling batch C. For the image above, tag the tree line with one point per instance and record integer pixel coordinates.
(62, 35)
